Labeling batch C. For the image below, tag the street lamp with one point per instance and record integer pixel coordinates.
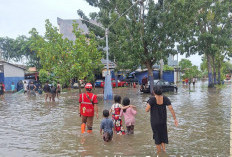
(108, 93)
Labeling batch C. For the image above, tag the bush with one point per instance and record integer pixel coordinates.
(168, 68)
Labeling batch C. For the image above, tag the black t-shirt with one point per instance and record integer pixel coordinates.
(46, 88)
(158, 112)
(152, 101)
(53, 90)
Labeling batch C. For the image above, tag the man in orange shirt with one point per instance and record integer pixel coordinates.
(87, 105)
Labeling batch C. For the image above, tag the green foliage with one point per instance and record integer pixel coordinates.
(66, 59)
(141, 39)
(168, 68)
(190, 71)
(227, 68)
(18, 49)
(185, 63)
(43, 76)
(210, 34)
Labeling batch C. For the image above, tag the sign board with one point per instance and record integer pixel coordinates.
(104, 72)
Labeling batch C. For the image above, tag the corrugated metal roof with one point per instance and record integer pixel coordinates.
(16, 65)
(66, 28)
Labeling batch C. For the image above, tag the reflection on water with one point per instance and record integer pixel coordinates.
(32, 127)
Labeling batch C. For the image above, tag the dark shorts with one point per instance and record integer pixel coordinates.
(1, 93)
(107, 137)
(58, 91)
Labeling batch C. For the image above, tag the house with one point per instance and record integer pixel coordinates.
(10, 73)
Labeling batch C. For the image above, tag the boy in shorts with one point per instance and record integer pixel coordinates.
(107, 126)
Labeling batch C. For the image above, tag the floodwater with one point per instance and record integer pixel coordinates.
(32, 127)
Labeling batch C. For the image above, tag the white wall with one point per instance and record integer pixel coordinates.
(12, 71)
(175, 77)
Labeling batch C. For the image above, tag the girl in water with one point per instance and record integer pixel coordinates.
(129, 115)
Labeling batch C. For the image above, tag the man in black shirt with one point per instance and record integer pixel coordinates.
(47, 90)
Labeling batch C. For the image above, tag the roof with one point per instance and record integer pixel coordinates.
(32, 69)
(15, 65)
(112, 65)
(66, 28)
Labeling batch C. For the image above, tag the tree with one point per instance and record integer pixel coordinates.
(190, 71)
(185, 63)
(211, 34)
(147, 33)
(64, 58)
(19, 49)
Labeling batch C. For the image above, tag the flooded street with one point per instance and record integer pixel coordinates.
(32, 127)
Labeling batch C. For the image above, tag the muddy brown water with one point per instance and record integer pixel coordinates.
(32, 127)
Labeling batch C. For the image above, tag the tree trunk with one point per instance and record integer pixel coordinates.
(209, 67)
(79, 86)
(150, 76)
(219, 73)
(214, 71)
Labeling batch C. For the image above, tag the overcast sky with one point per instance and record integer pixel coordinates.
(18, 17)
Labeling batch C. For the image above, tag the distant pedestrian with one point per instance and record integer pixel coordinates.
(47, 90)
(25, 86)
(32, 88)
(183, 81)
(186, 81)
(58, 89)
(144, 82)
(129, 115)
(12, 87)
(194, 80)
(107, 126)
(53, 93)
(2, 90)
(158, 117)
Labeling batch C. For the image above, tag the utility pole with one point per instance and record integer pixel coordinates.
(0, 55)
(161, 68)
(108, 92)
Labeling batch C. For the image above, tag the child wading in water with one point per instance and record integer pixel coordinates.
(107, 126)
(115, 110)
(129, 115)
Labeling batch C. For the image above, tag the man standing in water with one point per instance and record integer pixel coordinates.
(87, 105)
(2, 90)
(31, 88)
(47, 90)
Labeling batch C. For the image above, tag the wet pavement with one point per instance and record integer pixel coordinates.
(30, 126)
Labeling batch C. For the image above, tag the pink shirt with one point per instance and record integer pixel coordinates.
(129, 116)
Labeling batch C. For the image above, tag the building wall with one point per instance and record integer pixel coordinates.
(12, 74)
(8, 81)
(168, 76)
(12, 71)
